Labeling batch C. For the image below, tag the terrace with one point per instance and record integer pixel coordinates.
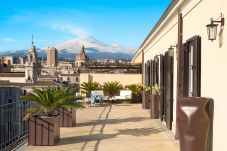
(113, 127)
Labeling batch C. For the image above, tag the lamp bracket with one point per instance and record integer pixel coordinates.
(222, 21)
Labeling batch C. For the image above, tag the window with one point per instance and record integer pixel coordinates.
(10, 100)
(191, 67)
(10, 92)
(68, 79)
(24, 92)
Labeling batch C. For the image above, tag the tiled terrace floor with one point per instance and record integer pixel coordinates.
(124, 127)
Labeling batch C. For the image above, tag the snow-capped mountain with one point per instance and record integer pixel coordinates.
(89, 43)
(94, 49)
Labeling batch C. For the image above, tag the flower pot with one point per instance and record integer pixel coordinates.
(43, 131)
(67, 118)
(194, 123)
(136, 98)
(154, 106)
(145, 100)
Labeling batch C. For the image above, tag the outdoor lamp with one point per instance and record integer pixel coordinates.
(171, 50)
(212, 28)
(156, 58)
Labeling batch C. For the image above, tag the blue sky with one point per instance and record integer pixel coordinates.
(124, 22)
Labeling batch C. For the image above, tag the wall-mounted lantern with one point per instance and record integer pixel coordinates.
(212, 27)
(156, 58)
(171, 50)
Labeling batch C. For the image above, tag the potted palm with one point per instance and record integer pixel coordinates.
(154, 101)
(87, 87)
(43, 122)
(136, 92)
(145, 97)
(112, 88)
(68, 114)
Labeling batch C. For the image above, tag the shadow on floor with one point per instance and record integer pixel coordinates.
(139, 131)
(112, 121)
(97, 136)
(85, 138)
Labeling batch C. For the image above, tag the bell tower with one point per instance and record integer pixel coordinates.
(32, 68)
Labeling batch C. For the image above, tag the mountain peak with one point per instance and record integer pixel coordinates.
(93, 48)
(90, 42)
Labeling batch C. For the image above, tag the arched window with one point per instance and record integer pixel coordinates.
(31, 57)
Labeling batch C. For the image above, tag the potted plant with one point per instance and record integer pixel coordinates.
(145, 97)
(68, 114)
(136, 92)
(154, 101)
(112, 88)
(87, 87)
(44, 128)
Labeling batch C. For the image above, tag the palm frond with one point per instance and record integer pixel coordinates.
(50, 99)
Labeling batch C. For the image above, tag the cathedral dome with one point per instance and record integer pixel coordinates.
(82, 55)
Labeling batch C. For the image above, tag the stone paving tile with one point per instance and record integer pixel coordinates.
(124, 127)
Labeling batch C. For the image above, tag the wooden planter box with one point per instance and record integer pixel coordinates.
(67, 118)
(154, 106)
(43, 131)
(145, 100)
(194, 117)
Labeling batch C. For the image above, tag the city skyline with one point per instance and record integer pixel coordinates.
(114, 22)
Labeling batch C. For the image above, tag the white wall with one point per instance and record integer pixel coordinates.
(14, 79)
(213, 68)
(124, 79)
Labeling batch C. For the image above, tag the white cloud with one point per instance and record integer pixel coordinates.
(9, 40)
(67, 27)
(44, 19)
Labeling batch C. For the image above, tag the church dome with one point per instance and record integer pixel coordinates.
(82, 55)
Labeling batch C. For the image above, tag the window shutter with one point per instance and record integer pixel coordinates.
(145, 71)
(152, 72)
(197, 66)
(185, 69)
(169, 90)
(157, 71)
(162, 87)
(148, 73)
(181, 66)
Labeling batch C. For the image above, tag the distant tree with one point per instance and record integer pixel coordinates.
(87, 87)
(135, 88)
(112, 88)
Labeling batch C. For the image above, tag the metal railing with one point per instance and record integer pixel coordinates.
(13, 127)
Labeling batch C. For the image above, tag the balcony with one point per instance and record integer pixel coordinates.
(113, 127)
(13, 129)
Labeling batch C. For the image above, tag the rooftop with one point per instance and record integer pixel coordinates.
(39, 83)
(123, 127)
(13, 74)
